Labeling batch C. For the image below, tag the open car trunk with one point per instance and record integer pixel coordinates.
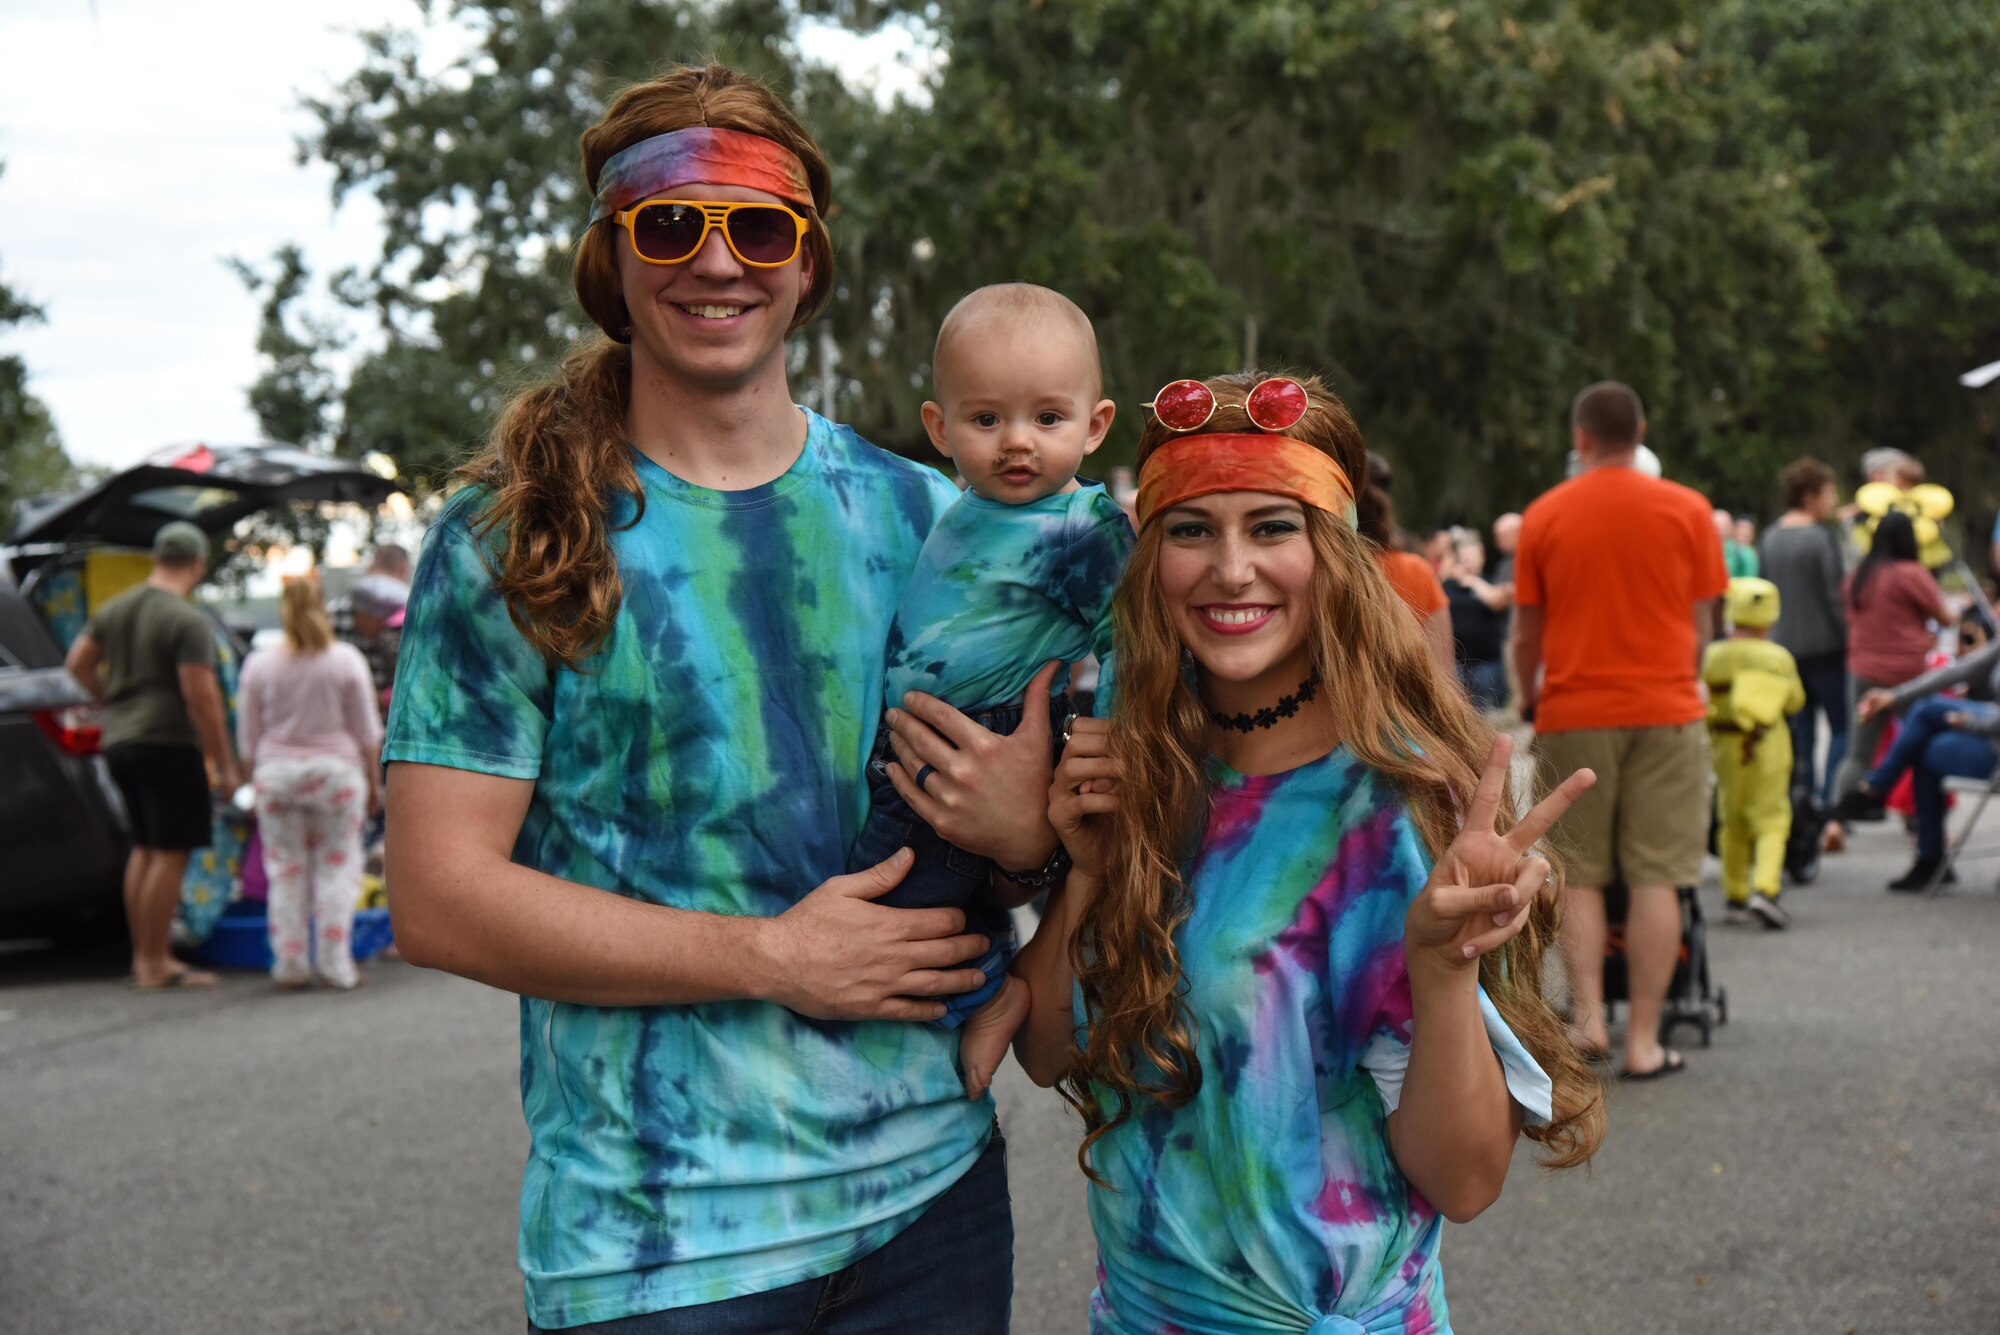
(210, 486)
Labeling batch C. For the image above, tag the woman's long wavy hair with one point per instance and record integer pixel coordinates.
(1398, 714)
(557, 458)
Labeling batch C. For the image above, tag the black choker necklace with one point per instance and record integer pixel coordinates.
(1265, 718)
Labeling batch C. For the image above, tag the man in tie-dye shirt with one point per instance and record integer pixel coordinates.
(641, 677)
(1018, 573)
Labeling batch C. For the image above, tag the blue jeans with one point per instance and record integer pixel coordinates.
(951, 1270)
(1934, 752)
(945, 875)
(1825, 679)
(1485, 683)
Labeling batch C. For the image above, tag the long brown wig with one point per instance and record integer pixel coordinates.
(1395, 710)
(557, 458)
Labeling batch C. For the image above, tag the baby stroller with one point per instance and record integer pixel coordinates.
(1691, 999)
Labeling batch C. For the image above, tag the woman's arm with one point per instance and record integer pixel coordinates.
(1930, 597)
(1082, 796)
(460, 903)
(1454, 1128)
(1045, 1044)
(1453, 1132)
(250, 708)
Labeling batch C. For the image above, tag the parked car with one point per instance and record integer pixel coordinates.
(63, 834)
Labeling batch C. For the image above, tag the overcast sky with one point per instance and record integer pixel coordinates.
(144, 143)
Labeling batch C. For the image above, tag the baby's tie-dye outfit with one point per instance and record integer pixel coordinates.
(1002, 589)
(710, 758)
(1271, 1202)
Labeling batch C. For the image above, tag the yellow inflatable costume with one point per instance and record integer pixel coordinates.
(1753, 687)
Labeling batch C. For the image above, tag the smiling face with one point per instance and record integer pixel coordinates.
(1020, 407)
(711, 320)
(1236, 573)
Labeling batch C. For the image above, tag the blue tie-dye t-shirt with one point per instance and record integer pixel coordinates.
(1270, 1201)
(711, 757)
(1002, 589)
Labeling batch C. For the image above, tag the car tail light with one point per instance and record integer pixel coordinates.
(78, 729)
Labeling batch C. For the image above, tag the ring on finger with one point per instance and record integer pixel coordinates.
(1069, 721)
(924, 774)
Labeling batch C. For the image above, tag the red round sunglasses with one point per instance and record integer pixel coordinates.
(1276, 404)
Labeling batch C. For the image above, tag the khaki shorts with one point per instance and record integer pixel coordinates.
(1645, 821)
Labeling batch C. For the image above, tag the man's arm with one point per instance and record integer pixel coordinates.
(86, 663)
(460, 903)
(203, 696)
(1707, 620)
(1525, 645)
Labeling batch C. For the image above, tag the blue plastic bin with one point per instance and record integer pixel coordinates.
(242, 940)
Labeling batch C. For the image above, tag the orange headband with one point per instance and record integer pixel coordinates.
(1202, 465)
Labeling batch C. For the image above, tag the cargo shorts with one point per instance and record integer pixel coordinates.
(1645, 821)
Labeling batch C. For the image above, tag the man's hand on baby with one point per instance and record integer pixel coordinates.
(838, 955)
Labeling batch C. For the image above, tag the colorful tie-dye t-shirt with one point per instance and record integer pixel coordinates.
(1270, 1201)
(1002, 589)
(710, 758)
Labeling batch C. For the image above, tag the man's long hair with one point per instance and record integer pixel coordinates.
(1400, 716)
(558, 458)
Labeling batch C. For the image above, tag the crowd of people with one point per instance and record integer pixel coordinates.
(728, 741)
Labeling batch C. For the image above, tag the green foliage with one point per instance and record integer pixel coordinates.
(1774, 217)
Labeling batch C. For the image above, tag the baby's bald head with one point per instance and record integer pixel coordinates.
(994, 317)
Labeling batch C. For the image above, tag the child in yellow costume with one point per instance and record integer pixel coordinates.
(1753, 687)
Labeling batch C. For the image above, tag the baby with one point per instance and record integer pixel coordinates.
(1019, 571)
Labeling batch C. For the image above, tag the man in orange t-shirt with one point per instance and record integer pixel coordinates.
(1615, 583)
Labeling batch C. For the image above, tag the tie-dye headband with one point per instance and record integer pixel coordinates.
(699, 153)
(1202, 465)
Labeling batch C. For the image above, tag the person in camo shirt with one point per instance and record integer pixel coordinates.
(1019, 572)
(642, 672)
(1307, 1020)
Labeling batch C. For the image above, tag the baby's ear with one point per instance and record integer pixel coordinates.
(1100, 423)
(933, 416)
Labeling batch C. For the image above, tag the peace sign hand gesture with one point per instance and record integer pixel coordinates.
(1480, 892)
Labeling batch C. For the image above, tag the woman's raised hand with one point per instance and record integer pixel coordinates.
(1084, 793)
(1481, 890)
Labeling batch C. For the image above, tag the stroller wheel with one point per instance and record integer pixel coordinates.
(1722, 1005)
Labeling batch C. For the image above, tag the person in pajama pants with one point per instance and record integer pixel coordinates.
(309, 728)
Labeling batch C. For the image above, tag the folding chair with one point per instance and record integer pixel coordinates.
(1987, 789)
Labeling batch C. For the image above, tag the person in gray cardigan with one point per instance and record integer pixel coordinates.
(1941, 736)
(1801, 555)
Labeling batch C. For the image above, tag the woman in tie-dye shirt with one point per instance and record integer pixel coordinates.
(1302, 933)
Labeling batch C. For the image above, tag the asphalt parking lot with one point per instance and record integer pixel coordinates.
(240, 1162)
